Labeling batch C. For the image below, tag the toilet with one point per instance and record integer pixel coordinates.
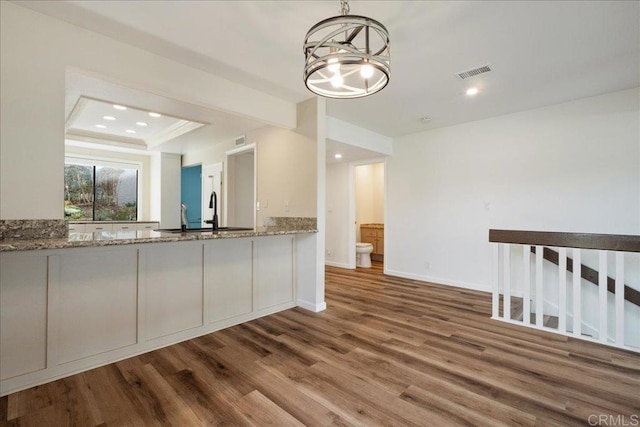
(363, 254)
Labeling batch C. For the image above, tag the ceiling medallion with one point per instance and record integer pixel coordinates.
(347, 56)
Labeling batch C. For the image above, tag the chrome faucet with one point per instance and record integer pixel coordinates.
(213, 204)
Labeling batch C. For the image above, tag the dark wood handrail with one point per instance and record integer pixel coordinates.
(609, 242)
(591, 275)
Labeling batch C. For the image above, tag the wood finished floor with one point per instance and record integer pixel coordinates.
(387, 351)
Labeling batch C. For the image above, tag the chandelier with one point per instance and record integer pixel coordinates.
(347, 56)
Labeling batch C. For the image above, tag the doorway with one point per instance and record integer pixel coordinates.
(240, 187)
(190, 195)
(368, 207)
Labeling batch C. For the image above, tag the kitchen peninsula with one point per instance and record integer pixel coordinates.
(72, 303)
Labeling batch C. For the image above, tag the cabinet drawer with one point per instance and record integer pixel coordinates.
(368, 232)
(148, 226)
(76, 228)
(94, 228)
(124, 227)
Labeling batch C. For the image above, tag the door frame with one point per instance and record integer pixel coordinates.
(352, 205)
(228, 159)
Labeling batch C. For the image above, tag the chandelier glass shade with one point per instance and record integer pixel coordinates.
(347, 56)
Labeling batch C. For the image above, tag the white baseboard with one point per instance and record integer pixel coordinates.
(337, 264)
(438, 280)
(321, 306)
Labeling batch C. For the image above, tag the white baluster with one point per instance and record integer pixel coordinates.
(602, 296)
(526, 294)
(619, 298)
(495, 304)
(577, 293)
(562, 296)
(506, 270)
(539, 295)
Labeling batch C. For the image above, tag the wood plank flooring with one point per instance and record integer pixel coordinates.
(387, 351)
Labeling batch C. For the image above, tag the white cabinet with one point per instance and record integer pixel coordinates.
(95, 228)
(76, 228)
(274, 275)
(229, 278)
(67, 310)
(147, 226)
(96, 293)
(23, 313)
(173, 288)
(124, 226)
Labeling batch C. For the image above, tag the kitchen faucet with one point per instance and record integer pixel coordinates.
(213, 204)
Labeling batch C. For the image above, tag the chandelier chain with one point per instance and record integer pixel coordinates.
(344, 7)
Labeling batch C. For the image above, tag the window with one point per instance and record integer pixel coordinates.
(100, 191)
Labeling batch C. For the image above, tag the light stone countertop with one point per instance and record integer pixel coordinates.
(105, 238)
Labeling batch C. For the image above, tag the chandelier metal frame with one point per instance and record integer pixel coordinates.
(331, 45)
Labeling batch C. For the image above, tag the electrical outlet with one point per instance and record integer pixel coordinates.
(427, 265)
(286, 206)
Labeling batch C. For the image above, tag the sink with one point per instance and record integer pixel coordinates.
(201, 230)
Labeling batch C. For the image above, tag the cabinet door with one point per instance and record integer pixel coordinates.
(229, 278)
(97, 301)
(23, 313)
(274, 276)
(173, 288)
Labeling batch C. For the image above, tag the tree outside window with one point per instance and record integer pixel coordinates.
(100, 193)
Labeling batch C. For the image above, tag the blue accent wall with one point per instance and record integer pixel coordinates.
(191, 194)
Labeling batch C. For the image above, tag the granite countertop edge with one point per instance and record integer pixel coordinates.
(84, 240)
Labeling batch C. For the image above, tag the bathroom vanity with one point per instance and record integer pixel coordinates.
(374, 234)
(72, 304)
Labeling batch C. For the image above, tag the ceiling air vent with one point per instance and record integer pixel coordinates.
(471, 73)
(240, 141)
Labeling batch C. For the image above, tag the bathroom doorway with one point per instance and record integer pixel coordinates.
(368, 208)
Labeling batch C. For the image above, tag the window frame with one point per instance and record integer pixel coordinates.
(82, 160)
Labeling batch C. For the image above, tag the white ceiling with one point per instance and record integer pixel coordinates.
(542, 52)
(100, 120)
(88, 99)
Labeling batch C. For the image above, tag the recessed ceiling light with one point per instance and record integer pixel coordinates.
(338, 156)
(472, 91)
(119, 107)
(130, 131)
(155, 115)
(109, 118)
(141, 123)
(101, 126)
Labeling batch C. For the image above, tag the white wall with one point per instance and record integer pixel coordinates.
(287, 167)
(36, 51)
(369, 195)
(348, 133)
(286, 170)
(165, 189)
(337, 223)
(569, 167)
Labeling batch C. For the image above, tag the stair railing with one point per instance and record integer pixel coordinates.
(537, 294)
